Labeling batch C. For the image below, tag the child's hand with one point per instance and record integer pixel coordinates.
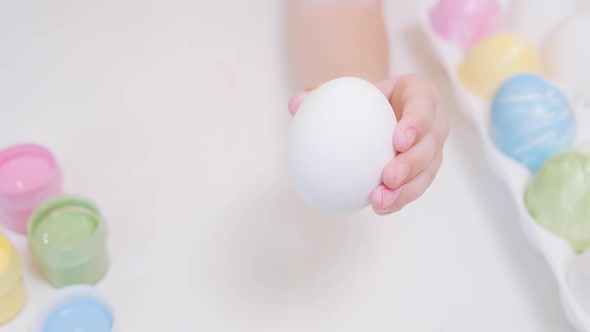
(418, 138)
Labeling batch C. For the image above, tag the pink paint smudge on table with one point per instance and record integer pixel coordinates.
(230, 76)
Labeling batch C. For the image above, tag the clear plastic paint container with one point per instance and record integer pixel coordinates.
(12, 288)
(76, 308)
(29, 175)
(67, 236)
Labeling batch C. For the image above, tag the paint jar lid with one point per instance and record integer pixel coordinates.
(10, 265)
(75, 308)
(66, 230)
(28, 174)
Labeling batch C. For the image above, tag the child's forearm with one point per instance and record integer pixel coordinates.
(334, 38)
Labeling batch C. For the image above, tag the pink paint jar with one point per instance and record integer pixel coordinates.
(465, 22)
(29, 176)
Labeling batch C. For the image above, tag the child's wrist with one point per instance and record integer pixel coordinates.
(315, 4)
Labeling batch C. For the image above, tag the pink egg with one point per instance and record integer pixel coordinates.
(465, 22)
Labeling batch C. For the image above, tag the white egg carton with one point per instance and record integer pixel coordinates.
(558, 253)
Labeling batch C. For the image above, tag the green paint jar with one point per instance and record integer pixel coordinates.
(67, 236)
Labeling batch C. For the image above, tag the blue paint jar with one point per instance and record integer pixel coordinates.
(73, 309)
(79, 315)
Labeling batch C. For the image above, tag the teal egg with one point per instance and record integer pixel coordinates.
(531, 120)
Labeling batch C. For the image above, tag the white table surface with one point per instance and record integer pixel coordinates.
(172, 116)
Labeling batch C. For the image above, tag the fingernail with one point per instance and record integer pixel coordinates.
(402, 171)
(296, 101)
(409, 137)
(389, 197)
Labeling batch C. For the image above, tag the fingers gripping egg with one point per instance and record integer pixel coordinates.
(339, 142)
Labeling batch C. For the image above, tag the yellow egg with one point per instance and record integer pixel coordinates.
(494, 59)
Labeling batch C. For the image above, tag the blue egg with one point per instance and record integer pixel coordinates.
(78, 316)
(531, 120)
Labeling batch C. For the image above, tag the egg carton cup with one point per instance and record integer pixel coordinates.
(556, 251)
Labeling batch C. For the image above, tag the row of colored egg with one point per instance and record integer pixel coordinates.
(479, 28)
(531, 119)
(66, 234)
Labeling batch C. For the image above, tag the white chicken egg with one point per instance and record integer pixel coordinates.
(566, 54)
(534, 19)
(339, 142)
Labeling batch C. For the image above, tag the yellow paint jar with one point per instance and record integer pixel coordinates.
(495, 59)
(12, 287)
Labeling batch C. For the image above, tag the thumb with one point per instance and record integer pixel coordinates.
(298, 98)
